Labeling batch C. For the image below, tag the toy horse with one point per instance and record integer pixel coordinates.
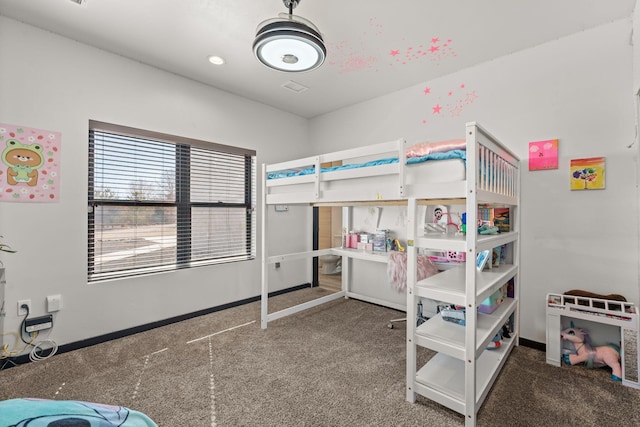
(606, 355)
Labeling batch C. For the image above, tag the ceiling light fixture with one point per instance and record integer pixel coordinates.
(289, 43)
(216, 60)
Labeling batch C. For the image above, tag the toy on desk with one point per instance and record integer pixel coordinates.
(394, 245)
(592, 357)
(456, 256)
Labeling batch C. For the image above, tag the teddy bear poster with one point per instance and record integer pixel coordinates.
(30, 171)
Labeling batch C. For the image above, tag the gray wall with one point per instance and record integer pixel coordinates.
(53, 83)
(578, 89)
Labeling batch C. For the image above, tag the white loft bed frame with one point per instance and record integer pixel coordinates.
(623, 315)
(388, 184)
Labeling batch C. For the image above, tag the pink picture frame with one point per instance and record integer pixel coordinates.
(543, 155)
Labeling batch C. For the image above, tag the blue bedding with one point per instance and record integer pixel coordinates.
(40, 412)
(453, 154)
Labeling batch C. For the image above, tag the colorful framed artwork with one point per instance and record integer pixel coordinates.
(543, 155)
(587, 174)
(30, 168)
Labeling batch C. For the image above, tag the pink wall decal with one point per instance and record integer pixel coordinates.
(447, 102)
(352, 55)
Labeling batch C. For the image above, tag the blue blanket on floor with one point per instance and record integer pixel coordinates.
(43, 413)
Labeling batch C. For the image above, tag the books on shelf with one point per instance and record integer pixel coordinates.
(501, 219)
(498, 217)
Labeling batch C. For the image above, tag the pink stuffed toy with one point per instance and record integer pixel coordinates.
(606, 355)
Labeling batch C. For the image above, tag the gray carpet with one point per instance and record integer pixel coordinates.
(334, 365)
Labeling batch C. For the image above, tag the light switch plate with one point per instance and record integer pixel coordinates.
(54, 303)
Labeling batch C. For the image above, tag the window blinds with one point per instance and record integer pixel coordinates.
(158, 202)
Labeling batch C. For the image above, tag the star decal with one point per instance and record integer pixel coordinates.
(436, 109)
(394, 52)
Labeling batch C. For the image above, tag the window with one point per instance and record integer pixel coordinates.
(158, 202)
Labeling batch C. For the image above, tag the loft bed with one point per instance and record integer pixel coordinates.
(389, 173)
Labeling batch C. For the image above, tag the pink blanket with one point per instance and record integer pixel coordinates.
(397, 269)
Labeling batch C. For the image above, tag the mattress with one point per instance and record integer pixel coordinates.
(447, 155)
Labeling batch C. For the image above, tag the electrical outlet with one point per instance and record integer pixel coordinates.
(22, 311)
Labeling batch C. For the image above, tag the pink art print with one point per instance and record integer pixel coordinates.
(30, 169)
(543, 155)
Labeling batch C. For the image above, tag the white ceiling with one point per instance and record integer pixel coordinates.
(429, 38)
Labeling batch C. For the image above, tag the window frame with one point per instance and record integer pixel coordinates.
(182, 201)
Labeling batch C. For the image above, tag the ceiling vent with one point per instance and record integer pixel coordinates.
(294, 87)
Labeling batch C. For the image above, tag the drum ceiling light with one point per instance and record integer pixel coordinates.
(289, 43)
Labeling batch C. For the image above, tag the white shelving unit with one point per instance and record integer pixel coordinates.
(462, 372)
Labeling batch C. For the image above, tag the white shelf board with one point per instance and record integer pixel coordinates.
(492, 279)
(360, 254)
(449, 337)
(458, 242)
(490, 241)
(442, 242)
(442, 378)
(449, 286)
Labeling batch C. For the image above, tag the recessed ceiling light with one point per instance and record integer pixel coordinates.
(216, 60)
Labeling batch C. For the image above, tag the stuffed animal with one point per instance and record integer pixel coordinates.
(592, 357)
